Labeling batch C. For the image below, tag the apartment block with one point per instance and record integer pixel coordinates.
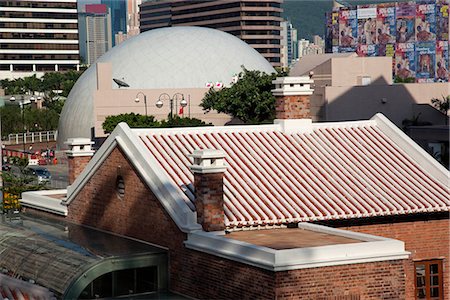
(38, 36)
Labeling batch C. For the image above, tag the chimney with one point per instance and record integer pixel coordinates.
(208, 169)
(293, 97)
(79, 155)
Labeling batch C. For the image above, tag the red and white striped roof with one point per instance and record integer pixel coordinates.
(334, 171)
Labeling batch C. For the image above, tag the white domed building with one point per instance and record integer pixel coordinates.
(172, 61)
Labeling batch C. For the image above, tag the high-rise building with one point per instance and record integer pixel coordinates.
(95, 32)
(255, 22)
(289, 43)
(38, 36)
(118, 9)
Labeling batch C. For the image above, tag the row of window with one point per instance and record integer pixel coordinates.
(39, 46)
(39, 68)
(36, 4)
(207, 18)
(262, 42)
(44, 36)
(145, 15)
(34, 25)
(207, 8)
(163, 23)
(38, 15)
(39, 56)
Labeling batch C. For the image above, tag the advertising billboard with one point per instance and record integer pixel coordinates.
(386, 24)
(442, 22)
(405, 68)
(425, 60)
(348, 30)
(425, 22)
(367, 24)
(442, 71)
(406, 16)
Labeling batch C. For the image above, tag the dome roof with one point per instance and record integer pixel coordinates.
(166, 58)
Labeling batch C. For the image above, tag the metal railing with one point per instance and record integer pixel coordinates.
(31, 137)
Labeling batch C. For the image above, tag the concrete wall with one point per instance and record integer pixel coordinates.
(114, 101)
(397, 102)
(348, 71)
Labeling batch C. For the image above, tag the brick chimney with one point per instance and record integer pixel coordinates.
(79, 154)
(293, 95)
(208, 169)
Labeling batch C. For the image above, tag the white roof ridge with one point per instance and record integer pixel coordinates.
(169, 195)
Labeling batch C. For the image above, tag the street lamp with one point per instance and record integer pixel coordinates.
(145, 100)
(166, 97)
(22, 106)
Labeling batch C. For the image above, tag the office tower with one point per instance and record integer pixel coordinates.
(289, 43)
(118, 10)
(38, 36)
(255, 22)
(95, 32)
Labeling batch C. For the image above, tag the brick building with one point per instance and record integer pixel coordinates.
(293, 210)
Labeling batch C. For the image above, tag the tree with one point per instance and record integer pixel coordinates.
(132, 119)
(442, 105)
(250, 99)
(138, 121)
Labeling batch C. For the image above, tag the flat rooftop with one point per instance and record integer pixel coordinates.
(289, 238)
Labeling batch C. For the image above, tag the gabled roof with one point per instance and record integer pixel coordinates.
(292, 171)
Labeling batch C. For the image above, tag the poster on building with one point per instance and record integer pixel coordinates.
(367, 24)
(442, 67)
(442, 22)
(386, 26)
(348, 30)
(367, 50)
(405, 20)
(335, 28)
(425, 61)
(386, 50)
(404, 69)
(425, 22)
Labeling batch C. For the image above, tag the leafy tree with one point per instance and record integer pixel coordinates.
(132, 119)
(442, 105)
(139, 121)
(177, 121)
(250, 99)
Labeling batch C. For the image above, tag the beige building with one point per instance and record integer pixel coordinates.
(348, 87)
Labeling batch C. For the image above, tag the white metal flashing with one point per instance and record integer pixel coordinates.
(42, 200)
(172, 198)
(290, 126)
(420, 156)
(371, 249)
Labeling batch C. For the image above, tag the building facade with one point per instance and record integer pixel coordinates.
(118, 10)
(255, 22)
(289, 43)
(95, 32)
(38, 36)
(414, 34)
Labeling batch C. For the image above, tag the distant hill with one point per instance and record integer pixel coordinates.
(309, 16)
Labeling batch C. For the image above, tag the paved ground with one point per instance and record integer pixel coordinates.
(59, 175)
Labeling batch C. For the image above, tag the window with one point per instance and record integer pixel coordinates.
(429, 280)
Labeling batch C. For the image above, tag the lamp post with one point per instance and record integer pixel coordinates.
(166, 97)
(145, 100)
(22, 107)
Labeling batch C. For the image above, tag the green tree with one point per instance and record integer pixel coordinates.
(139, 121)
(442, 105)
(177, 121)
(250, 99)
(132, 119)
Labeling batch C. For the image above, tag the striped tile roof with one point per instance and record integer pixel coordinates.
(331, 171)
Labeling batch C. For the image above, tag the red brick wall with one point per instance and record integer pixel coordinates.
(292, 107)
(76, 166)
(209, 201)
(378, 280)
(424, 239)
(140, 215)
